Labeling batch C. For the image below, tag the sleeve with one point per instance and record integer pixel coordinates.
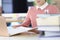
(27, 20)
(55, 10)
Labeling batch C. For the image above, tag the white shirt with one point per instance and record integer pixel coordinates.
(43, 6)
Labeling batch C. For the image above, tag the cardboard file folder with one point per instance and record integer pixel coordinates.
(51, 23)
(48, 21)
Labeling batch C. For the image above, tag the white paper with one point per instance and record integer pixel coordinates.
(50, 38)
(43, 15)
(51, 33)
(13, 31)
(49, 28)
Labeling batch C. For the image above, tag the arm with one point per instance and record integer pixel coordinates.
(55, 10)
(26, 22)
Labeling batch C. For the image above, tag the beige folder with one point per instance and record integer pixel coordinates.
(48, 21)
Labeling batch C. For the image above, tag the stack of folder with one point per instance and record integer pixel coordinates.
(50, 25)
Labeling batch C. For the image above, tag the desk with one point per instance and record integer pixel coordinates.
(22, 37)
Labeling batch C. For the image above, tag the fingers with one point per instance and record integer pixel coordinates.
(15, 26)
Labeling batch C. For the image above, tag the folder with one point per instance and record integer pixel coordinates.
(48, 21)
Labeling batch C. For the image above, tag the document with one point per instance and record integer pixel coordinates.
(51, 28)
(17, 30)
(43, 15)
(49, 33)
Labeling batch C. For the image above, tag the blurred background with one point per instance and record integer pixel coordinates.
(16, 6)
(21, 6)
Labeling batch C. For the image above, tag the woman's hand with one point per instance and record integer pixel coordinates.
(16, 26)
(35, 31)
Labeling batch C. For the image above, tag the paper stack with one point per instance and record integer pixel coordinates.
(50, 25)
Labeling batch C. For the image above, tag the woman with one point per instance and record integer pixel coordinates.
(40, 8)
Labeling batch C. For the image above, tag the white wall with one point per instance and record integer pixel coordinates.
(0, 2)
(7, 6)
(30, 0)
